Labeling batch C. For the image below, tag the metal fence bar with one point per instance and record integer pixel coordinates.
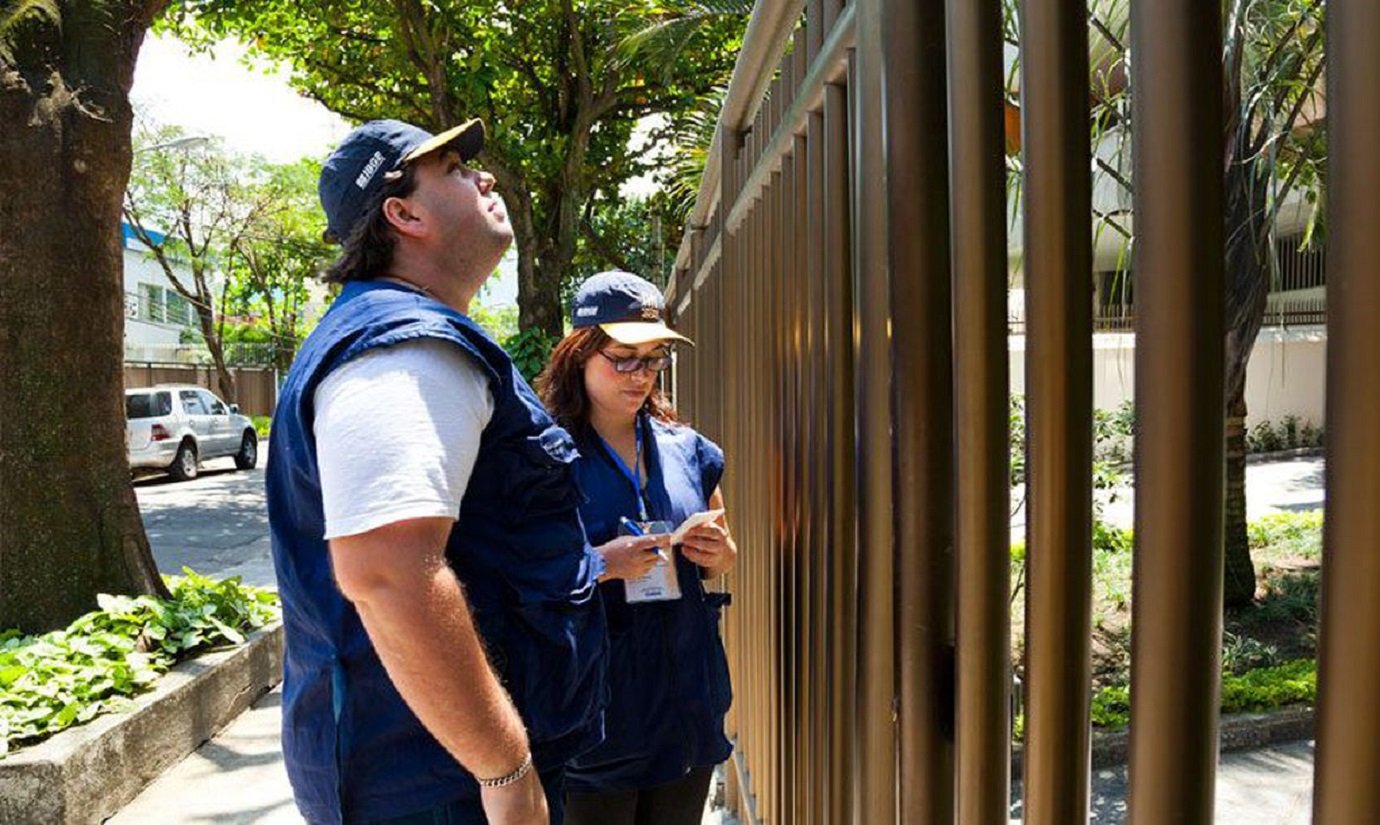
(917, 191)
(1058, 265)
(840, 469)
(811, 215)
(977, 194)
(804, 447)
(1348, 750)
(1180, 440)
(874, 764)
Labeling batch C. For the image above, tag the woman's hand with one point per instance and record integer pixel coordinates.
(630, 557)
(711, 546)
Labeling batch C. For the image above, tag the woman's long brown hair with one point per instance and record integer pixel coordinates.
(562, 384)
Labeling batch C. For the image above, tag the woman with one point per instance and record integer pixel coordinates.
(668, 678)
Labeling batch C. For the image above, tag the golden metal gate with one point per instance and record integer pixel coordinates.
(845, 277)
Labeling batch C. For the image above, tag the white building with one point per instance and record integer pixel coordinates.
(159, 322)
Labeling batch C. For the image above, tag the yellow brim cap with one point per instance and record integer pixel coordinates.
(467, 139)
(634, 333)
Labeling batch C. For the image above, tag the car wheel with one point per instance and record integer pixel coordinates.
(184, 464)
(248, 455)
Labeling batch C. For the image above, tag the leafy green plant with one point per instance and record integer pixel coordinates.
(1016, 423)
(529, 350)
(94, 666)
(1108, 538)
(1291, 433)
(1111, 560)
(1242, 653)
(1111, 707)
(1267, 688)
(262, 425)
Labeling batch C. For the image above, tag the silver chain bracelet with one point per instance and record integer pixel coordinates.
(503, 781)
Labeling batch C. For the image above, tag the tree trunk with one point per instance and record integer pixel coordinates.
(539, 288)
(224, 380)
(69, 520)
(1248, 286)
(1239, 579)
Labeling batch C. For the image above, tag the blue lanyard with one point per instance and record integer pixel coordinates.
(634, 475)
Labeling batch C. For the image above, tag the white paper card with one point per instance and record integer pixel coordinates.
(692, 522)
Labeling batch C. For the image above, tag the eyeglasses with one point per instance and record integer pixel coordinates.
(633, 363)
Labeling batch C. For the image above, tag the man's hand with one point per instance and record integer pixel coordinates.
(630, 557)
(521, 803)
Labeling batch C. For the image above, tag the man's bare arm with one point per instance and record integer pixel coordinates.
(416, 615)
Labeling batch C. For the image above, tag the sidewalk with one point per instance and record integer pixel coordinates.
(235, 779)
(238, 779)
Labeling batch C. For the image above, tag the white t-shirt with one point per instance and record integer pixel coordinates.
(397, 434)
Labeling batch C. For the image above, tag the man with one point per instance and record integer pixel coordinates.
(444, 633)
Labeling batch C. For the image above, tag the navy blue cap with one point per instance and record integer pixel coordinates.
(359, 167)
(629, 309)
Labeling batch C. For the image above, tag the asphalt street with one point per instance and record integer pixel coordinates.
(216, 524)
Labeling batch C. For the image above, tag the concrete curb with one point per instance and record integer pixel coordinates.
(1285, 455)
(86, 774)
(1236, 732)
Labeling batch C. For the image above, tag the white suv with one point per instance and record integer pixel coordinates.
(173, 427)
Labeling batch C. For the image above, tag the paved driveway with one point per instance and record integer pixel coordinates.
(1294, 484)
(215, 524)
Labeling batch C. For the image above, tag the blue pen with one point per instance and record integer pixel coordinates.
(635, 529)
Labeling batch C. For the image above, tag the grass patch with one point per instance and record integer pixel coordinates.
(1287, 536)
(64, 678)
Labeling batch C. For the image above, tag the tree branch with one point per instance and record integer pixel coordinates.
(577, 51)
(610, 256)
(421, 48)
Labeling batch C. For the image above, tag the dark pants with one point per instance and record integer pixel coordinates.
(470, 812)
(676, 803)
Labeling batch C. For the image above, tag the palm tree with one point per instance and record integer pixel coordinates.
(1273, 147)
(658, 44)
(1273, 64)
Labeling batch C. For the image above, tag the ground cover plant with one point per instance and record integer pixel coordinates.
(98, 663)
(1268, 648)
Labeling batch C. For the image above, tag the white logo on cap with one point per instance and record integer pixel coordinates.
(585, 312)
(370, 169)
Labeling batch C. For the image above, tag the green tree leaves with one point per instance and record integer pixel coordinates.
(558, 88)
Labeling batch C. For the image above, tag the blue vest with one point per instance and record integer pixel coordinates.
(354, 750)
(668, 676)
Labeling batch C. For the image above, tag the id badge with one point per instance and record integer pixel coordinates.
(661, 583)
